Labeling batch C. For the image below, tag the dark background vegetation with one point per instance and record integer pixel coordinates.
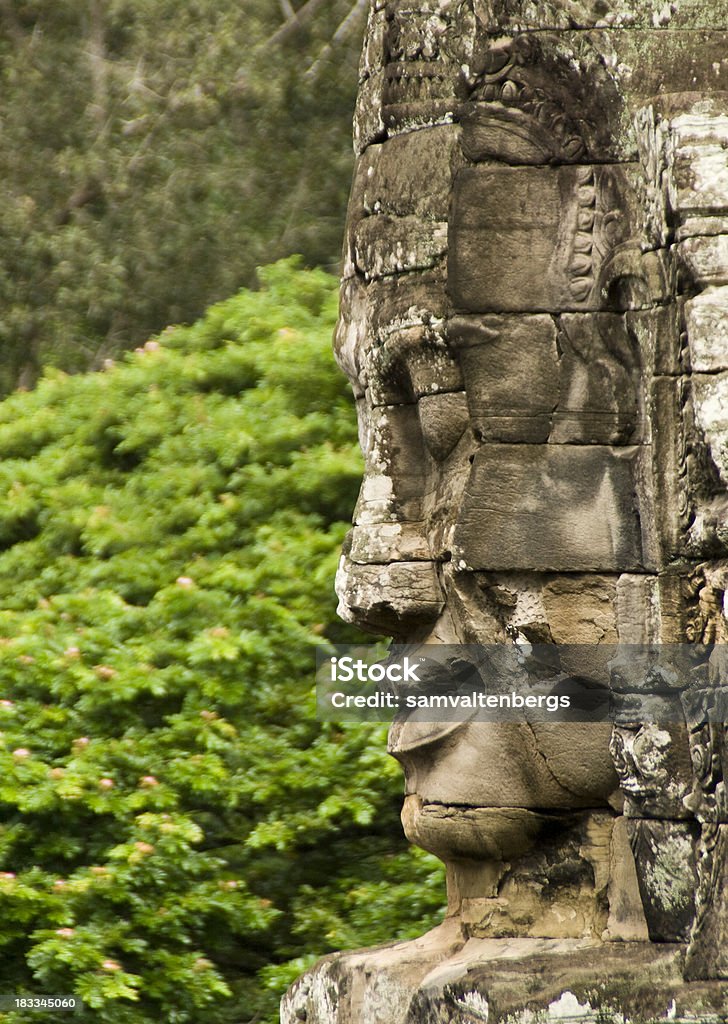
(154, 153)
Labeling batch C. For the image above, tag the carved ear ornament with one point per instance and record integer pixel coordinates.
(504, 83)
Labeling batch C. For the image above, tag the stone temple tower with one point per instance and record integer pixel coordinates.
(534, 319)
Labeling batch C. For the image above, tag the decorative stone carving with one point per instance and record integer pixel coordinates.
(533, 320)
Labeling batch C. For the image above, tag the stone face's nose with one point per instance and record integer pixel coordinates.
(387, 581)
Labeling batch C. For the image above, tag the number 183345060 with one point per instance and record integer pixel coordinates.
(39, 1003)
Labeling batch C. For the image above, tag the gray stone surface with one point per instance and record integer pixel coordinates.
(512, 367)
(442, 979)
(549, 508)
(502, 15)
(667, 876)
(515, 240)
(708, 951)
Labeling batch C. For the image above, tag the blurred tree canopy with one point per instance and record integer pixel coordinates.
(179, 836)
(155, 153)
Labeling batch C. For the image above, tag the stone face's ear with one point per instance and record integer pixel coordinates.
(443, 421)
(387, 582)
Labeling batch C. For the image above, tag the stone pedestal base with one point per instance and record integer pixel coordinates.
(439, 980)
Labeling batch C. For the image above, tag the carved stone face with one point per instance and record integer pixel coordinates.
(498, 412)
(533, 321)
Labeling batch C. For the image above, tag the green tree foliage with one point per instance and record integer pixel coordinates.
(154, 154)
(178, 835)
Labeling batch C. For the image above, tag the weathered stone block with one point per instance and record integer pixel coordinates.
(706, 321)
(506, 231)
(486, 765)
(710, 405)
(700, 177)
(706, 712)
(656, 610)
(704, 260)
(550, 507)
(664, 853)
(526, 382)
(511, 366)
(656, 334)
(438, 979)
(645, 63)
(352, 336)
(493, 131)
(637, 609)
(698, 172)
(386, 245)
(626, 921)
(652, 759)
(662, 476)
(393, 485)
(389, 542)
(599, 370)
(410, 362)
(569, 862)
(406, 300)
(409, 175)
(368, 114)
(474, 833)
(402, 314)
(372, 54)
(678, 601)
(697, 226)
(419, 91)
(528, 15)
(580, 611)
(443, 420)
(526, 239)
(707, 955)
(390, 598)
(625, 981)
